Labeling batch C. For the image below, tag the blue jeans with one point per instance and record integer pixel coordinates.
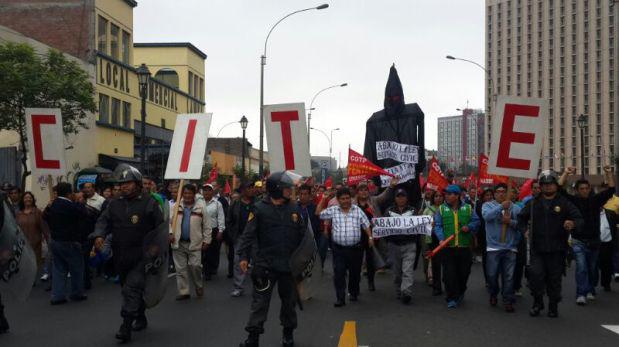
(586, 268)
(67, 259)
(501, 263)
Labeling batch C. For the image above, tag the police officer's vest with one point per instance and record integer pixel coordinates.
(130, 222)
(453, 221)
(280, 230)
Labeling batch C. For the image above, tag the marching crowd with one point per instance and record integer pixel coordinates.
(94, 231)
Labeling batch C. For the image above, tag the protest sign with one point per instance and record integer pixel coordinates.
(404, 172)
(517, 136)
(360, 168)
(45, 141)
(188, 146)
(402, 225)
(397, 151)
(286, 132)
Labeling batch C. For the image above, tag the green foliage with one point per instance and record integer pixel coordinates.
(30, 79)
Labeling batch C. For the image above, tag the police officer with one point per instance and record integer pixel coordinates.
(277, 228)
(552, 217)
(129, 219)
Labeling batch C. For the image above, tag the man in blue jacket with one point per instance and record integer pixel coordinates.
(502, 238)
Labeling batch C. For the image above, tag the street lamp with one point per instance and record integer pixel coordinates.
(263, 62)
(330, 139)
(582, 123)
(243, 122)
(143, 77)
(491, 82)
(309, 115)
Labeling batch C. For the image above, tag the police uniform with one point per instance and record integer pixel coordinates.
(278, 230)
(129, 220)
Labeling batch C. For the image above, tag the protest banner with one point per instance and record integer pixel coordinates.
(187, 151)
(401, 225)
(436, 179)
(397, 151)
(484, 178)
(403, 172)
(360, 168)
(517, 136)
(286, 132)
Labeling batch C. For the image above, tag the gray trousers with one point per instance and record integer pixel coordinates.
(188, 267)
(403, 257)
(238, 275)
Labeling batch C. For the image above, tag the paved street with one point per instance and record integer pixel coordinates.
(218, 319)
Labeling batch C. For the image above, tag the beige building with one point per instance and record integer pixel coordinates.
(562, 51)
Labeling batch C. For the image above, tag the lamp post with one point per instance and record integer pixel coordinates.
(330, 139)
(143, 77)
(263, 62)
(309, 115)
(491, 82)
(582, 123)
(243, 122)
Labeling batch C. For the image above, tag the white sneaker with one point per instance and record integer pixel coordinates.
(45, 277)
(617, 277)
(236, 293)
(518, 293)
(591, 297)
(581, 301)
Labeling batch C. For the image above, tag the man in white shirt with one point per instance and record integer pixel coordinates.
(93, 199)
(215, 211)
(347, 222)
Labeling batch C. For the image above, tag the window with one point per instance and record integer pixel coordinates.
(163, 123)
(126, 44)
(102, 35)
(115, 112)
(114, 31)
(201, 89)
(126, 122)
(104, 108)
(190, 90)
(196, 85)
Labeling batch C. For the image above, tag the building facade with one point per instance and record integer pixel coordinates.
(460, 138)
(99, 33)
(563, 51)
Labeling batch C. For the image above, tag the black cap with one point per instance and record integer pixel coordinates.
(401, 191)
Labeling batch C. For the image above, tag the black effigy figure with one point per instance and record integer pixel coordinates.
(401, 123)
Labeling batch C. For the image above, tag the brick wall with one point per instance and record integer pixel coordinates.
(67, 25)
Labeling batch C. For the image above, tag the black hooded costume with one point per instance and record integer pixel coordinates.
(401, 123)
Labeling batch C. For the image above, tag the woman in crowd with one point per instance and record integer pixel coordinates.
(30, 220)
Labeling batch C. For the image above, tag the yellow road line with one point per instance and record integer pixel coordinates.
(349, 335)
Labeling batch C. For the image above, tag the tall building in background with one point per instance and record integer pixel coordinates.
(562, 51)
(460, 138)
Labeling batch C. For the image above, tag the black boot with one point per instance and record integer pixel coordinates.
(553, 310)
(140, 323)
(287, 338)
(124, 332)
(252, 341)
(4, 324)
(538, 306)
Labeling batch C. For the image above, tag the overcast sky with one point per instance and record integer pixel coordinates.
(353, 41)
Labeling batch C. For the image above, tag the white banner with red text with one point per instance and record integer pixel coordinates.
(286, 132)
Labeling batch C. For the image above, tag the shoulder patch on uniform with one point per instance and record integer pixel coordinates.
(295, 217)
(250, 216)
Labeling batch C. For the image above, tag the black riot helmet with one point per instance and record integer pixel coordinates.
(127, 173)
(278, 181)
(548, 177)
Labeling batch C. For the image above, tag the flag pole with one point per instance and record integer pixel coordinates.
(177, 203)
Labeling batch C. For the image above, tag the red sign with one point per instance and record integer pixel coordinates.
(361, 168)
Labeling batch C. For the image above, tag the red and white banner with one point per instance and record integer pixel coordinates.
(188, 146)
(45, 141)
(361, 168)
(517, 136)
(286, 132)
(484, 178)
(436, 179)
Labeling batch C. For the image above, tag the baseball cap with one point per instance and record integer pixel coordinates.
(453, 189)
(207, 185)
(401, 191)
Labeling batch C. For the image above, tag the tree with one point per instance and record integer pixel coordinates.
(31, 79)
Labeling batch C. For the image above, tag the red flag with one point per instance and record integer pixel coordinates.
(422, 182)
(436, 179)
(470, 180)
(361, 168)
(213, 175)
(484, 177)
(329, 183)
(526, 189)
(227, 189)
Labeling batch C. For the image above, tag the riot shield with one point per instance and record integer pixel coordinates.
(18, 266)
(303, 258)
(155, 265)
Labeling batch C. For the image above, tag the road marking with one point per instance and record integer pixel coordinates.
(613, 328)
(349, 335)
